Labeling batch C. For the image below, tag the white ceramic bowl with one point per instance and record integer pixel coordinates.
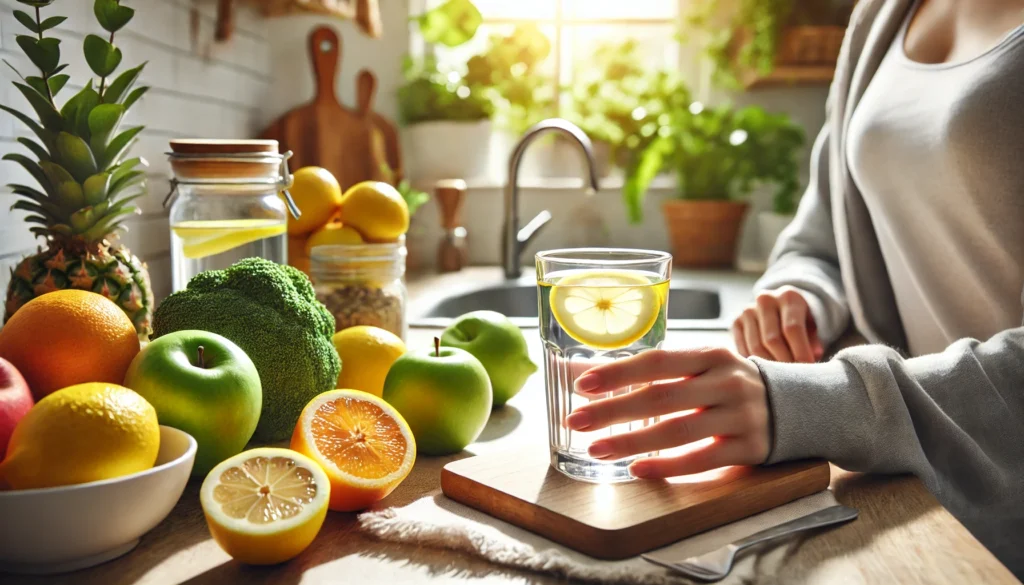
(59, 529)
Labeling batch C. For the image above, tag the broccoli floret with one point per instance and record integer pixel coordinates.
(271, 312)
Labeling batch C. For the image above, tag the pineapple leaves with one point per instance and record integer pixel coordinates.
(66, 192)
(120, 86)
(118, 146)
(103, 121)
(35, 169)
(73, 153)
(48, 115)
(96, 187)
(127, 180)
(34, 197)
(45, 135)
(134, 96)
(44, 53)
(111, 15)
(102, 57)
(75, 112)
(106, 225)
(24, 205)
(35, 147)
(26, 21)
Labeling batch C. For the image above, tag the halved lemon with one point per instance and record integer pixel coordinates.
(265, 506)
(362, 442)
(606, 309)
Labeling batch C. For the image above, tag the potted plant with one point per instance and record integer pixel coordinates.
(719, 155)
(447, 121)
(618, 102)
(85, 182)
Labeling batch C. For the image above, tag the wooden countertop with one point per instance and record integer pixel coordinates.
(903, 535)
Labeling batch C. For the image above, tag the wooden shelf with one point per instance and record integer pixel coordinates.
(790, 75)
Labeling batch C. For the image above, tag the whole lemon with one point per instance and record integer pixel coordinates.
(79, 434)
(333, 234)
(318, 195)
(366, 354)
(376, 210)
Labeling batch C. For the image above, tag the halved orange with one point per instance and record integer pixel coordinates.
(362, 442)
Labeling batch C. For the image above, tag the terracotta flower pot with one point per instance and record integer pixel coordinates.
(704, 234)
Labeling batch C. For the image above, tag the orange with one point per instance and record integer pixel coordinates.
(362, 443)
(69, 337)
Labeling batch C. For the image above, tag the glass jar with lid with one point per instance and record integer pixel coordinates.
(362, 284)
(226, 205)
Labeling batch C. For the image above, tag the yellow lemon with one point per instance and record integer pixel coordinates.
(333, 234)
(82, 433)
(376, 210)
(318, 195)
(366, 356)
(265, 506)
(607, 309)
(362, 442)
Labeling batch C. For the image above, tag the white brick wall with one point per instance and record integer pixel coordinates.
(199, 89)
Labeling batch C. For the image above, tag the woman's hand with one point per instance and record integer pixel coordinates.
(778, 326)
(724, 390)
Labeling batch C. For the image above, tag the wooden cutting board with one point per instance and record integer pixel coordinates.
(617, 521)
(324, 132)
(386, 131)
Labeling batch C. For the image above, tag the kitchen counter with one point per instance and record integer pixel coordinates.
(903, 535)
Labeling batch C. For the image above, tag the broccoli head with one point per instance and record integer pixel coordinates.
(271, 312)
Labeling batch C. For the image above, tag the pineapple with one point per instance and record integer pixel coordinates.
(86, 185)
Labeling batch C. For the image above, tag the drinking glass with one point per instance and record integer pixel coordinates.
(596, 305)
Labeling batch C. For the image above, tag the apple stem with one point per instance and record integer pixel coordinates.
(200, 349)
(437, 347)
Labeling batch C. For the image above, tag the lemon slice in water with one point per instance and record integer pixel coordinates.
(606, 309)
(206, 238)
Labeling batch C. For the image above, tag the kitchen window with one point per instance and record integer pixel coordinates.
(575, 28)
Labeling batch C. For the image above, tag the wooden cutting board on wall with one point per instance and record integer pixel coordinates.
(324, 132)
(618, 521)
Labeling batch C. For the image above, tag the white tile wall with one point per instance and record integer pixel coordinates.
(200, 88)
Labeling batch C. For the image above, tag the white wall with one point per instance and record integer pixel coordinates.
(199, 89)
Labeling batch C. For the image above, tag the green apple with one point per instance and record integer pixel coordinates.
(445, 396)
(203, 384)
(500, 347)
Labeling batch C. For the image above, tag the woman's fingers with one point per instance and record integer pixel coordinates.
(752, 334)
(794, 313)
(666, 434)
(724, 451)
(767, 309)
(647, 402)
(739, 339)
(650, 366)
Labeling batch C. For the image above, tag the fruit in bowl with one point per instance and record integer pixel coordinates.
(88, 335)
(363, 444)
(265, 506)
(499, 345)
(271, 312)
(203, 384)
(15, 402)
(89, 432)
(444, 394)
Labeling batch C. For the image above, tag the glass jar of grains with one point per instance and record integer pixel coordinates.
(362, 284)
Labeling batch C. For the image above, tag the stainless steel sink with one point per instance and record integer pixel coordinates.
(688, 308)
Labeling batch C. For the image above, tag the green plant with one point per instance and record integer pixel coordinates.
(272, 313)
(86, 185)
(431, 93)
(720, 153)
(450, 24)
(619, 101)
(749, 40)
(509, 71)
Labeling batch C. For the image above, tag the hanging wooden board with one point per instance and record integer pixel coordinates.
(617, 521)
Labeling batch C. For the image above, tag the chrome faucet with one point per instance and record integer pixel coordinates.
(514, 240)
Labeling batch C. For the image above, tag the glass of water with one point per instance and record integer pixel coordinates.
(596, 305)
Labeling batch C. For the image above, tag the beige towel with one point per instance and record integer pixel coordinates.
(436, 521)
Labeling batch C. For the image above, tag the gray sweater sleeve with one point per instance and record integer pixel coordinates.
(805, 256)
(954, 419)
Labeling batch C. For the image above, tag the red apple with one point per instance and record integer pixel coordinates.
(15, 401)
